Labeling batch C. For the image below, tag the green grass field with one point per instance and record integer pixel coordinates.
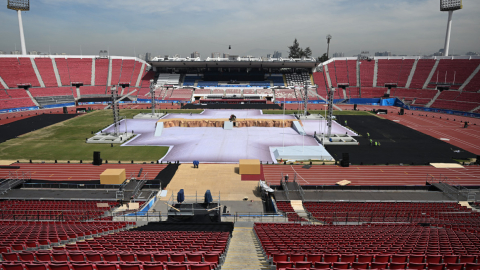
(66, 140)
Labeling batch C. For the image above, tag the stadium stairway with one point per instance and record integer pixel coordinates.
(32, 98)
(433, 100)
(2, 82)
(37, 73)
(297, 205)
(474, 109)
(467, 81)
(412, 72)
(432, 72)
(375, 74)
(57, 75)
(92, 82)
(240, 253)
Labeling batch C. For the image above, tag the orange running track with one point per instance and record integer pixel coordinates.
(80, 172)
(370, 175)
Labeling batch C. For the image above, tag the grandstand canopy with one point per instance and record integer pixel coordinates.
(234, 64)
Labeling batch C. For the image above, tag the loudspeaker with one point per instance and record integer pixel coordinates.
(354, 107)
(96, 158)
(402, 111)
(345, 160)
(65, 110)
(478, 159)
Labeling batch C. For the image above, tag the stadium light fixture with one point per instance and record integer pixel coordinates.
(19, 6)
(328, 43)
(450, 6)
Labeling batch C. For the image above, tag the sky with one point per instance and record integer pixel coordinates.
(250, 27)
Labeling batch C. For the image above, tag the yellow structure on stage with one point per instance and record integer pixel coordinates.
(249, 166)
(113, 177)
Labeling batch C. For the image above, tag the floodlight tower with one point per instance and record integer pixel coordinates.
(19, 6)
(450, 6)
(328, 43)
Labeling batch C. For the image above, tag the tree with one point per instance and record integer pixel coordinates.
(323, 58)
(295, 50)
(307, 52)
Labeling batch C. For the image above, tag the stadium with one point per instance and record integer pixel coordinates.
(111, 162)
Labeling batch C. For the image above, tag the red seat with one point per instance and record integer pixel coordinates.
(157, 266)
(177, 257)
(331, 258)
(200, 266)
(43, 257)
(472, 266)
(303, 265)
(314, 258)
(348, 258)
(76, 257)
(450, 259)
(454, 266)
(322, 265)
(416, 258)
(59, 266)
(395, 265)
(176, 267)
(436, 266)
(297, 257)
(144, 257)
(130, 267)
(12, 266)
(277, 257)
(382, 259)
(360, 265)
(341, 265)
(110, 257)
(12, 256)
(468, 259)
(399, 258)
(26, 256)
(93, 257)
(365, 258)
(379, 265)
(60, 257)
(211, 258)
(82, 266)
(35, 266)
(194, 257)
(417, 265)
(109, 266)
(127, 257)
(433, 259)
(160, 257)
(284, 264)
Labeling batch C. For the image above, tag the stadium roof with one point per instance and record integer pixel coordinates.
(239, 63)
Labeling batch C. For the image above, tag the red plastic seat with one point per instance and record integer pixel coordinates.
(12, 256)
(360, 265)
(341, 265)
(433, 259)
(331, 258)
(417, 265)
(82, 266)
(279, 257)
(144, 257)
(416, 258)
(297, 257)
(399, 258)
(450, 259)
(35, 266)
(284, 264)
(322, 265)
(382, 259)
(59, 266)
(378, 265)
(43, 257)
(194, 257)
(93, 257)
(60, 257)
(177, 267)
(130, 267)
(106, 266)
(472, 266)
(211, 258)
(157, 266)
(160, 257)
(468, 259)
(307, 265)
(12, 266)
(26, 256)
(110, 257)
(179, 257)
(365, 258)
(454, 266)
(348, 258)
(436, 266)
(76, 257)
(127, 257)
(314, 258)
(200, 266)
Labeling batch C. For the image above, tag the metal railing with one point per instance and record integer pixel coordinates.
(452, 189)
